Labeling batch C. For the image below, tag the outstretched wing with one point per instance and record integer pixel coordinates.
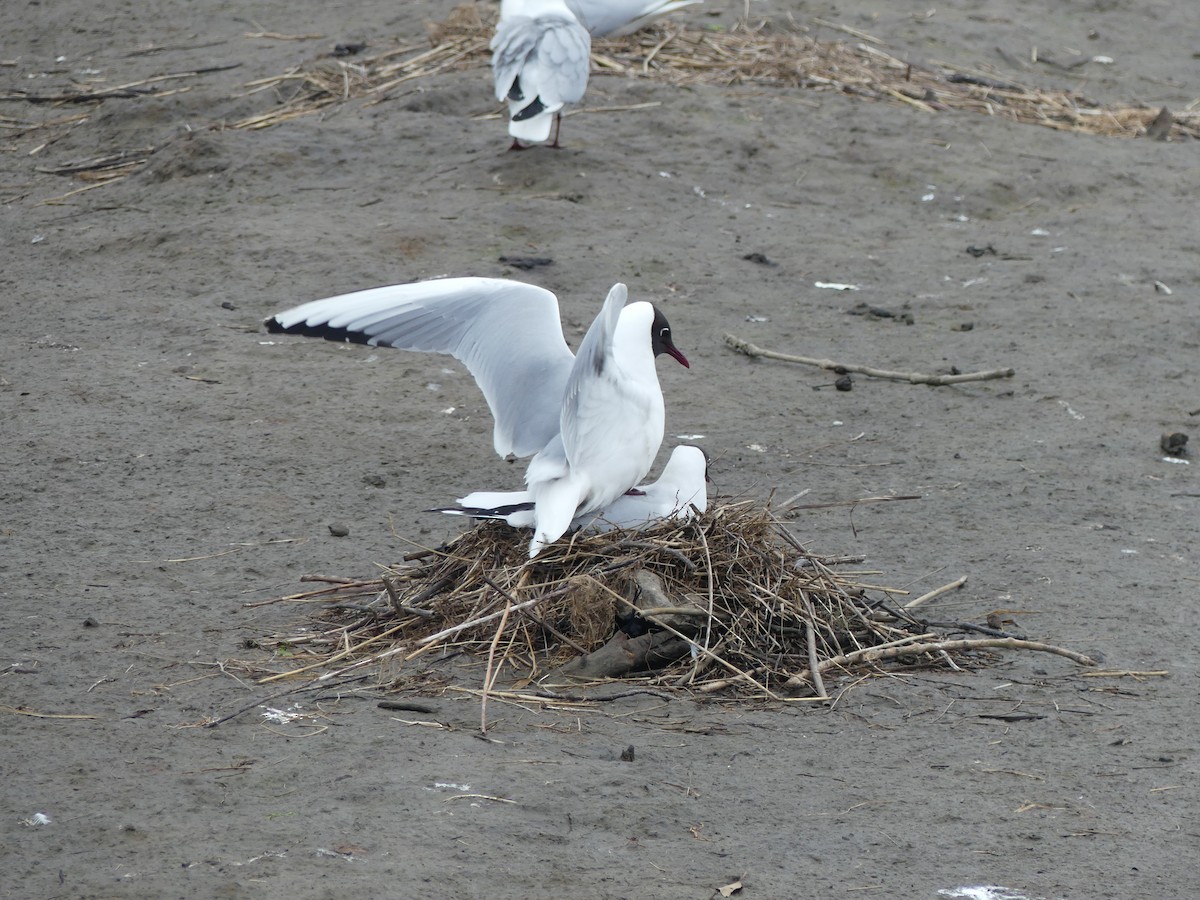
(508, 334)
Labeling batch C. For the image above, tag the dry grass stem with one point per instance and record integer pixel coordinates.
(779, 55)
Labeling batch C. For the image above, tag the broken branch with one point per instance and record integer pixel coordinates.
(754, 352)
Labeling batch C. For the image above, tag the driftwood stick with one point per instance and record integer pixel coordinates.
(393, 592)
(814, 670)
(936, 592)
(674, 611)
(656, 605)
(620, 656)
(877, 654)
(748, 349)
(1128, 673)
(651, 588)
(710, 687)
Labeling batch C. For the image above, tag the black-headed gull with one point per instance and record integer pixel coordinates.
(592, 422)
(614, 18)
(680, 487)
(540, 60)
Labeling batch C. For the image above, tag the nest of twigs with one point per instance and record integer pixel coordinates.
(727, 601)
(768, 55)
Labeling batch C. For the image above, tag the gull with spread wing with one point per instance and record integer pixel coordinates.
(593, 422)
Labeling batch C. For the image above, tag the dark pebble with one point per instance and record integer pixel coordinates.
(1173, 442)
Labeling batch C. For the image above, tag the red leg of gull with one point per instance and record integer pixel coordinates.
(516, 145)
(557, 126)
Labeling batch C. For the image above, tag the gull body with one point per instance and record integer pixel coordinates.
(540, 60)
(680, 487)
(615, 18)
(592, 422)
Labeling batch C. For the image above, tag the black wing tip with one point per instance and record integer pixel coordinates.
(475, 512)
(326, 332)
(515, 94)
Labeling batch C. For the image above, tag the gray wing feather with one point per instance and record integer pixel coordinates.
(564, 56)
(594, 357)
(514, 40)
(508, 335)
(550, 54)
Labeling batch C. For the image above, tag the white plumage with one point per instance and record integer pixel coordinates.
(593, 422)
(680, 487)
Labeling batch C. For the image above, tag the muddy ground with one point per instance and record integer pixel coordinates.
(164, 463)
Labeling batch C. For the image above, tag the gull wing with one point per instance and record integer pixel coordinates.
(508, 334)
(590, 368)
(614, 18)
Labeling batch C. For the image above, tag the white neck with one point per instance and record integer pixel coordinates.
(633, 347)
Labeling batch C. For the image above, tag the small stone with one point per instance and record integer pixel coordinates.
(338, 529)
(627, 754)
(845, 383)
(374, 480)
(1173, 442)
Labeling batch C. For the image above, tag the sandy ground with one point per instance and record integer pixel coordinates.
(164, 463)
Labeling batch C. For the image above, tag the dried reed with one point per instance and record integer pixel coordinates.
(769, 56)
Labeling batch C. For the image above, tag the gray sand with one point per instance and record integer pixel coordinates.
(165, 462)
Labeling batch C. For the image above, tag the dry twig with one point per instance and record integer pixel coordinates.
(748, 349)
